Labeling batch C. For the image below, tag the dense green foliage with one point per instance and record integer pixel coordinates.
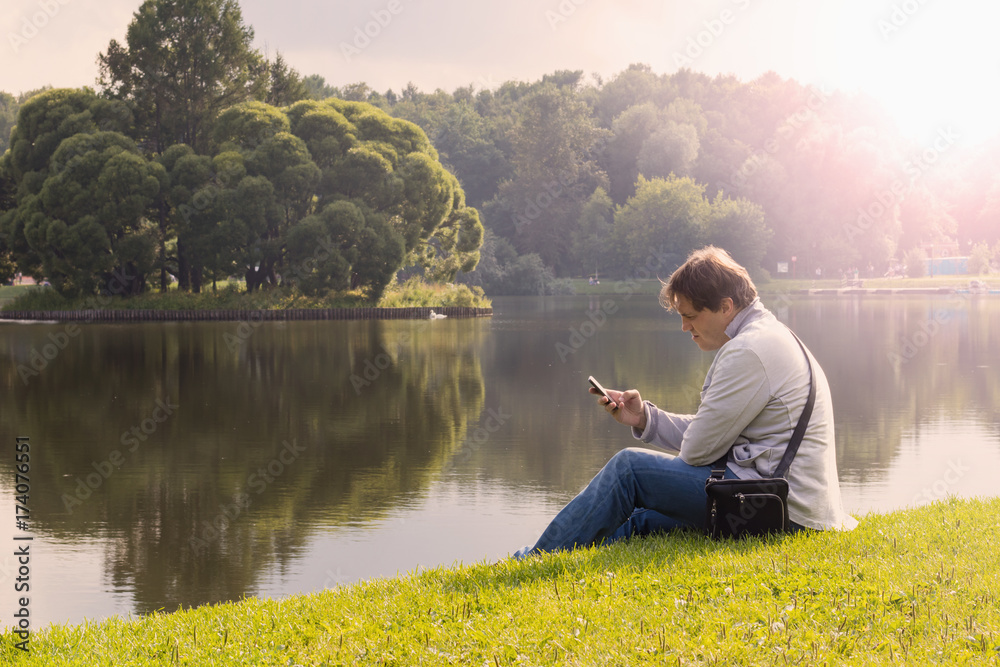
(790, 170)
(770, 169)
(199, 175)
(914, 587)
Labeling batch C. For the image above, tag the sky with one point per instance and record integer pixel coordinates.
(933, 64)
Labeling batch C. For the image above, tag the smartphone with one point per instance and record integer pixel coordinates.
(597, 385)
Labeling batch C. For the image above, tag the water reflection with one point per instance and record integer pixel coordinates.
(179, 464)
(201, 463)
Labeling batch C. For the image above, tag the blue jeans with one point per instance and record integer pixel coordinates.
(638, 492)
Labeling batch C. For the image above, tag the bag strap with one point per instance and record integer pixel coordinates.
(800, 427)
(719, 467)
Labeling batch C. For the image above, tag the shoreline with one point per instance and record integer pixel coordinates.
(239, 315)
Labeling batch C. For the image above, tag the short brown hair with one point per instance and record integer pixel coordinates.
(707, 277)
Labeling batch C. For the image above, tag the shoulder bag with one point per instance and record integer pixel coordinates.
(750, 507)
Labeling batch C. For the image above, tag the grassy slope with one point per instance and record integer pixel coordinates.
(913, 587)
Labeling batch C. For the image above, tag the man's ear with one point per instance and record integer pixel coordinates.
(727, 305)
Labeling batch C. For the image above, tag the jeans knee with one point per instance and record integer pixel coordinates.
(624, 459)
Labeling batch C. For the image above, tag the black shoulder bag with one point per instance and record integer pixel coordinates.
(749, 507)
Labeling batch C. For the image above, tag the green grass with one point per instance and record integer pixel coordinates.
(232, 297)
(10, 292)
(913, 587)
(958, 282)
(616, 287)
(415, 292)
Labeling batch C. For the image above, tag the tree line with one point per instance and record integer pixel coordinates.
(560, 177)
(588, 174)
(201, 159)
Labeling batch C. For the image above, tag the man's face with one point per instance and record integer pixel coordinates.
(707, 328)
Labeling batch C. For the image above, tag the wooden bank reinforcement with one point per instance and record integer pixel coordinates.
(286, 315)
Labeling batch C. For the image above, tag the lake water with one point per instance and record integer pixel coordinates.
(182, 464)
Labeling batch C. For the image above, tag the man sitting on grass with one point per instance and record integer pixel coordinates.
(753, 395)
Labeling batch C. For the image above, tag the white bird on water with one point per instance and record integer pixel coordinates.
(436, 316)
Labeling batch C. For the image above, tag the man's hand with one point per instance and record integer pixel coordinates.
(625, 406)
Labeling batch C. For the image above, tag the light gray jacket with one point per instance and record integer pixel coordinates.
(753, 395)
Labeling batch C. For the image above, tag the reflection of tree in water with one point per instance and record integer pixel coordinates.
(175, 516)
(921, 356)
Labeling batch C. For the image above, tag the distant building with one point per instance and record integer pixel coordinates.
(943, 259)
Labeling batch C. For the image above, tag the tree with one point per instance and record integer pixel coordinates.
(670, 150)
(285, 84)
(317, 88)
(502, 272)
(392, 167)
(924, 217)
(980, 259)
(986, 226)
(333, 195)
(592, 246)
(738, 225)
(8, 267)
(88, 224)
(345, 246)
(667, 216)
(8, 113)
(555, 145)
(718, 158)
(9, 107)
(915, 260)
(630, 130)
(77, 193)
(635, 85)
(182, 63)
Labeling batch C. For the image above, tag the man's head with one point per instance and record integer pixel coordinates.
(707, 291)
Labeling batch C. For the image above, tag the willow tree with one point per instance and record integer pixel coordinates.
(346, 195)
(83, 192)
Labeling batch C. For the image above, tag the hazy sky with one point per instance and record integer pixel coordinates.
(933, 63)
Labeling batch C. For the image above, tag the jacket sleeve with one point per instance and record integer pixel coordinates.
(738, 392)
(663, 429)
